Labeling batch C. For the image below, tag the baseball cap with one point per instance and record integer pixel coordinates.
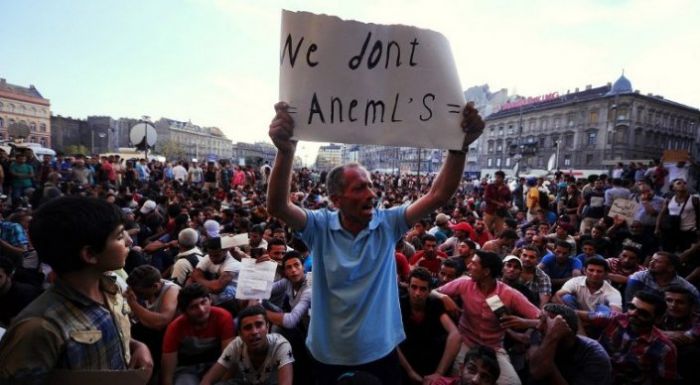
(462, 226)
(148, 207)
(212, 228)
(442, 218)
(512, 258)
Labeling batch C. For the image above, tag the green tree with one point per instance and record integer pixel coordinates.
(75, 149)
(171, 150)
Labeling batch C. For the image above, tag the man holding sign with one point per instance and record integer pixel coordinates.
(357, 322)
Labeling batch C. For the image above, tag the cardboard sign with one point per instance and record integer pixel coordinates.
(624, 208)
(351, 82)
(675, 156)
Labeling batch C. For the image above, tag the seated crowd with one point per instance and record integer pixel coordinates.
(500, 286)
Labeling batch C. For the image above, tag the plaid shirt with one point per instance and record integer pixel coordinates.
(540, 284)
(63, 329)
(636, 359)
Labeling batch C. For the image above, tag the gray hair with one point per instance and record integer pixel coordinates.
(188, 237)
(335, 182)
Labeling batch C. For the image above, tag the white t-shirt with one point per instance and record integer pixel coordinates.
(179, 173)
(606, 295)
(279, 354)
(229, 264)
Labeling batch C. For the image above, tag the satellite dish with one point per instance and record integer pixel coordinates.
(143, 134)
(550, 164)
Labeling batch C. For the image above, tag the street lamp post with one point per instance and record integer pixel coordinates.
(556, 163)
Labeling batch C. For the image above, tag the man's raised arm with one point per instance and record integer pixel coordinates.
(278, 204)
(450, 175)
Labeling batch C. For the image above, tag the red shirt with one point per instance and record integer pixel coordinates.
(494, 194)
(432, 264)
(419, 254)
(198, 345)
(481, 238)
(402, 267)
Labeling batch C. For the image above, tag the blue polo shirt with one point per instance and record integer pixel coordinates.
(355, 302)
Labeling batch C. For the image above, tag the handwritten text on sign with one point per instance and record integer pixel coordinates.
(351, 82)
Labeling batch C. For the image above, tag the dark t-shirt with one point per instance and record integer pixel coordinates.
(586, 363)
(594, 204)
(16, 299)
(425, 340)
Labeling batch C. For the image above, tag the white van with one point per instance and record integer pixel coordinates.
(30, 150)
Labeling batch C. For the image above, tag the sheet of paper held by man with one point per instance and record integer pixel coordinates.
(255, 279)
(358, 83)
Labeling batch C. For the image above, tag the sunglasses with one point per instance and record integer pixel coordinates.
(640, 312)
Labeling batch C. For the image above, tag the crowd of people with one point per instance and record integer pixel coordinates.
(381, 278)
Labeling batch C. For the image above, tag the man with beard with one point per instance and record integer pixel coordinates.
(533, 277)
(639, 352)
(465, 252)
(681, 325)
(662, 273)
(429, 258)
(255, 356)
(622, 267)
(196, 338)
(481, 234)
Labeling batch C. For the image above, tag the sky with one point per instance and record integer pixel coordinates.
(216, 63)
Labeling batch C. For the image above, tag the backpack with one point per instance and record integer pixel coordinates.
(193, 259)
(543, 200)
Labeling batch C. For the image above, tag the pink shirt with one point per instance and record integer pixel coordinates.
(478, 324)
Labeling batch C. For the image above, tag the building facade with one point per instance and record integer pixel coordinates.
(329, 156)
(255, 154)
(25, 114)
(589, 129)
(196, 142)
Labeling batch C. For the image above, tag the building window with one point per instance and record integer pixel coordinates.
(592, 138)
(507, 162)
(622, 113)
(42, 141)
(556, 123)
(569, 140)
(2, 123)
(620, 135)
(42, 127)
(498, 162)
(32, 127)
(489, 162)
(500, 131)
(542, 141)
(567, 160)
(589, 159)
(540, 161)
(593, 117)
(490, 146)
(499, 146)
